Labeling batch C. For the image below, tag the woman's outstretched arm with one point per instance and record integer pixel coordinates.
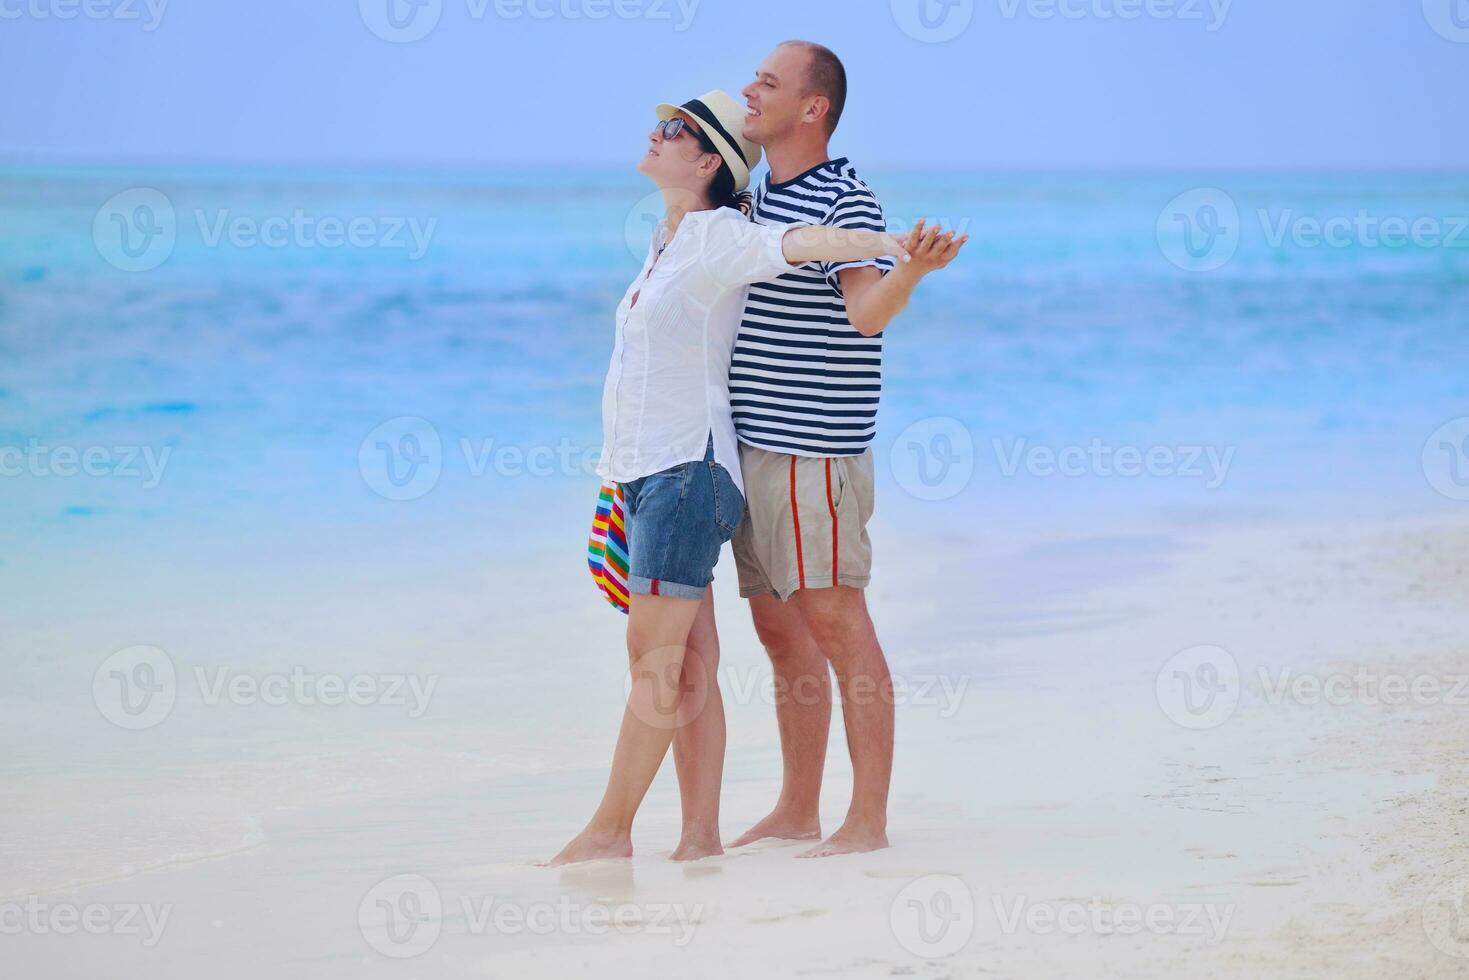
(825, 243)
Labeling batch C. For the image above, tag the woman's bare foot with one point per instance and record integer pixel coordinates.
(691, 847)
(784, 825)
(590, 845)
(850, 838)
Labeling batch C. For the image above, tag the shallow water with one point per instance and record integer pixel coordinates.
(243, 407)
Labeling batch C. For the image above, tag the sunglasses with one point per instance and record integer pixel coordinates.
(671, 129)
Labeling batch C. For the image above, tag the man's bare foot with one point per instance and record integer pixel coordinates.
(691, 847)
(850, 838)
(594, 846)
(784, 826)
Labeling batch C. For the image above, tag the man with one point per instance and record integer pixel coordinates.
(804, 386)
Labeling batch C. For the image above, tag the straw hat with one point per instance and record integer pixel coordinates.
(722, 118)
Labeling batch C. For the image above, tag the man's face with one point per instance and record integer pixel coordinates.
(774, 99)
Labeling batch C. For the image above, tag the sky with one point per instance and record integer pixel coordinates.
(1000, 84)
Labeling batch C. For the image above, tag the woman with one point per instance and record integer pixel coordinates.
(669, 441)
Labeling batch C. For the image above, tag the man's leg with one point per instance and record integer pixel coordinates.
(803, 713)
(698, 743)
(839, 621)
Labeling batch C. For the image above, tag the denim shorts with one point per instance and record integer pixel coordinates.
(677, 520)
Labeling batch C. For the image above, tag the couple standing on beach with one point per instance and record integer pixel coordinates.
(740, 405)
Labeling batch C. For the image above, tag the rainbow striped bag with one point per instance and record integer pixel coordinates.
(607, 549)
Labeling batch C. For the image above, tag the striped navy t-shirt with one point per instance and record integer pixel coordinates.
(802, 379)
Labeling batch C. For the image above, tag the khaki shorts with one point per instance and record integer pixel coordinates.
(805, 524)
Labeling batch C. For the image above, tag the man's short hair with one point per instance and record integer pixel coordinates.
(825, 75)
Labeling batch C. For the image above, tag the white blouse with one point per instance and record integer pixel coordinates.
(667, 389)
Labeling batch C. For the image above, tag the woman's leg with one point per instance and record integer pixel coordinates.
(657, 637)
(698, 743)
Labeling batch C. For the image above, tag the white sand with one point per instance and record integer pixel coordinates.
(1077, 829)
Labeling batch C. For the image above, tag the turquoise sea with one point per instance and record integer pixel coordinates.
(342, 422)
(260, 351)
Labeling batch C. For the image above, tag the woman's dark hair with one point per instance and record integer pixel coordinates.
(722, 187)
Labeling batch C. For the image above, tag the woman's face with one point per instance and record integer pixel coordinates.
(679, 162)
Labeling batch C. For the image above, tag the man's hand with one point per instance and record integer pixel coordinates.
(931, 248)
(874, 299)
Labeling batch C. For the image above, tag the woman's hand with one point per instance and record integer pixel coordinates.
(930, 249)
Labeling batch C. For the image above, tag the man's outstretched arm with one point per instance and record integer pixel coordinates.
(874, 299)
